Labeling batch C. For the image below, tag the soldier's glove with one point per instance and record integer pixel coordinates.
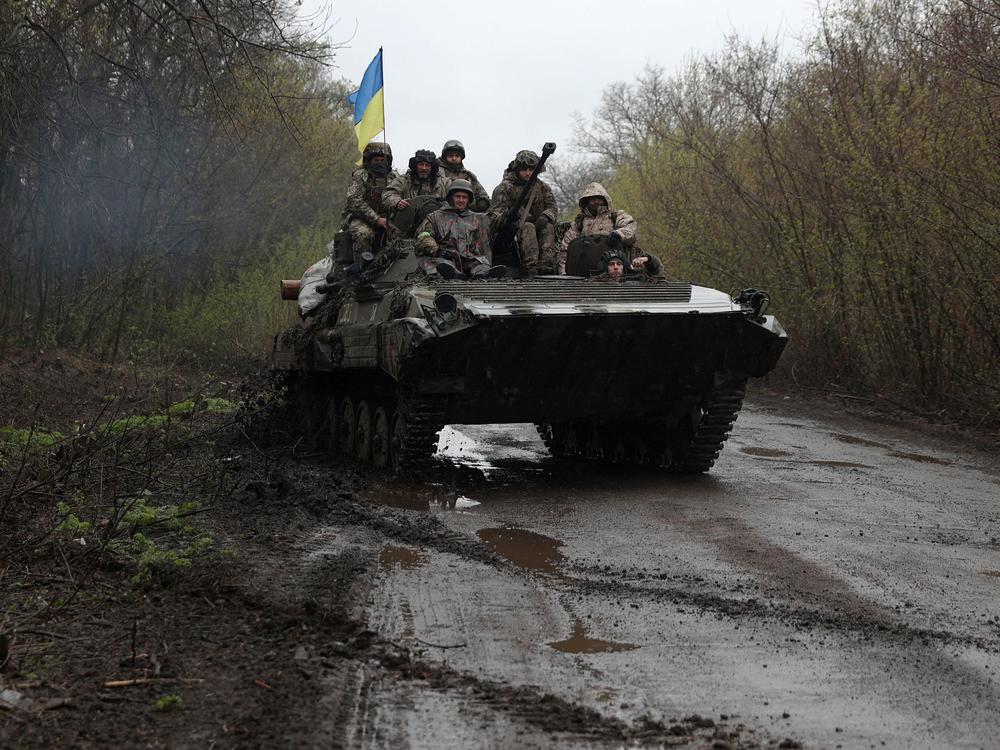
(425, 244)
(613, 240)
(542, 220)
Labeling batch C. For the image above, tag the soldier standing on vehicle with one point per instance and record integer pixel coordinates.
(536, 229)
(364, 214)
(457, 237)
(452, 164)
(422, 178)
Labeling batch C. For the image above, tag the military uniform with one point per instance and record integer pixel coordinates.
(410, 185)
(461, 237)
(605, 221)
(363, 204)
(481, 199)
(536, 230)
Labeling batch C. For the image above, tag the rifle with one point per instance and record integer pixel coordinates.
(507, 241)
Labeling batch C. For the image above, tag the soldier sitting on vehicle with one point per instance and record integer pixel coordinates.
(457, 238)
(364, 214)
(536, 230)
(422, 178)
(453, 167)
(598, 217)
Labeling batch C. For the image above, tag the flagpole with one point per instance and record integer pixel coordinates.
(382, 58)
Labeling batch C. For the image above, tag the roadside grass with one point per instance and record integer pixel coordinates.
(117, 505)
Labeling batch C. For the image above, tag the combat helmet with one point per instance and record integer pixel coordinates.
(608, 255)
(455, 185)
(525, 159)
(453, 145)
(376, 149)
(428, 156)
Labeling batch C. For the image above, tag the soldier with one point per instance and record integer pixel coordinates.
(364, 214)
(597, 216)
(458, 237)
(536, 230)
(453, 167)
(614, 265)
(421, 178)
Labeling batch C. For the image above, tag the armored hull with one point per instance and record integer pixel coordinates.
(646, 372)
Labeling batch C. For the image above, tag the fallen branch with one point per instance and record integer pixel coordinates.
(150, 680)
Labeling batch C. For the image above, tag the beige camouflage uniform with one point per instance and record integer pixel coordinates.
(605, 221)
(537, 228)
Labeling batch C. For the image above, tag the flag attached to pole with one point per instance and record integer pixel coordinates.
(369, 106)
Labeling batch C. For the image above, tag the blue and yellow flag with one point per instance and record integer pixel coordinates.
(369, 107)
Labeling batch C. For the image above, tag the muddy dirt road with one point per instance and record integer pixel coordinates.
(832, 583)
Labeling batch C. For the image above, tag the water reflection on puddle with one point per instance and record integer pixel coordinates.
(403, 557)
(524, 548)
(579, 643)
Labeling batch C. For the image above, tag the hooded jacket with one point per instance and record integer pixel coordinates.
(606, 221)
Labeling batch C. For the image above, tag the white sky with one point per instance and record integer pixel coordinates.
(509, 74)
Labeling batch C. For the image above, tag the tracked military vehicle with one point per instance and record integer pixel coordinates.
(649, 372)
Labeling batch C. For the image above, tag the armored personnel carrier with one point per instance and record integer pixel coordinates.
(647, 372)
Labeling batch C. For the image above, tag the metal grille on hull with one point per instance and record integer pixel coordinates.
(541, 292)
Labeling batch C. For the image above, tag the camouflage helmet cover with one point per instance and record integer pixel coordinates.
(376, 149)
(455, 185)
(453, 145)
(525, 159)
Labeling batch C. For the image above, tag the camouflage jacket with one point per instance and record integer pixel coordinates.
(364, 196)
(464, 232)
(608, 220)
(542, 203)
(482, 198)
(407, 186)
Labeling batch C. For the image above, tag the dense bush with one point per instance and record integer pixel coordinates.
(858, 181)
(152, 154)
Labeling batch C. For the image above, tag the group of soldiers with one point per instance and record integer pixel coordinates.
(456, 239)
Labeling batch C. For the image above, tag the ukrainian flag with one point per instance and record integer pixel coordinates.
(369, 107)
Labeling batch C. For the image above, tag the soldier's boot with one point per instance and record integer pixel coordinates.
(497, 272)
(448, 271)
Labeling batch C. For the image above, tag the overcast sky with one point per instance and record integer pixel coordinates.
(507, 75)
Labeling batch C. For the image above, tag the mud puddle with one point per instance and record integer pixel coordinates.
(579, 643)
(764, 452)
(527, 550)
(405, 558)
(493, 449)
(838, 464)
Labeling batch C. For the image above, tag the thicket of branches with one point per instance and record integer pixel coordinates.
(858, 181)
(150, 150)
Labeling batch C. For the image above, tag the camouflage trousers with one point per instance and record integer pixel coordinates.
(362, 235)
(538, 246)
(471, 265)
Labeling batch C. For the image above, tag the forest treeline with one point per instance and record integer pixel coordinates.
(152, 155)
(857, 179)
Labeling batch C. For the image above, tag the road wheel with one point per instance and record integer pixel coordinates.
(569, 444)
(593, 450)
(381, 439)
(397, 439)
(363, 432)
(348, 421)
(333, 423)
